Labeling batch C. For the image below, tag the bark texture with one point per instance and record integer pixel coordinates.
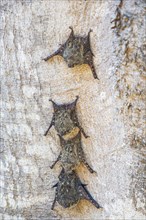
(110, 110)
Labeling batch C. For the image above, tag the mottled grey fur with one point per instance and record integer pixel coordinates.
(70, 191)
(65, 118)
(76, 51)
(72, 154)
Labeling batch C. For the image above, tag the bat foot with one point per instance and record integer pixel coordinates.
(93, 171)
(86, 136)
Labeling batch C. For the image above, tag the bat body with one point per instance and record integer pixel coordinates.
(72, 154)
(70, 190)
(65, 118)
(76, 51)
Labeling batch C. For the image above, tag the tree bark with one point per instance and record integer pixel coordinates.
(110, 110)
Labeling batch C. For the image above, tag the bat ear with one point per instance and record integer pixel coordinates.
(73, 104)
(90, 32)
(52, 102)
(70, 38)
(55, 106)
(88, 36)
(72, 32)
(77, 97)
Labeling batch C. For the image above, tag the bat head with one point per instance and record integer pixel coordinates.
(63, 121)
(74, 50)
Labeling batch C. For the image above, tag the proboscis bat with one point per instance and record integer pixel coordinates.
(72, 154)
(76, 51)
(65, 118)
(70, 191)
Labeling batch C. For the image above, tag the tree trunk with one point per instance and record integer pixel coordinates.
(111, 110)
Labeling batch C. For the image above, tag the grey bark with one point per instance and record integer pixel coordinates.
(110, 110)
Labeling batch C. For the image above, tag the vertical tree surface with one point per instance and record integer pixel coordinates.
(111, 110)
